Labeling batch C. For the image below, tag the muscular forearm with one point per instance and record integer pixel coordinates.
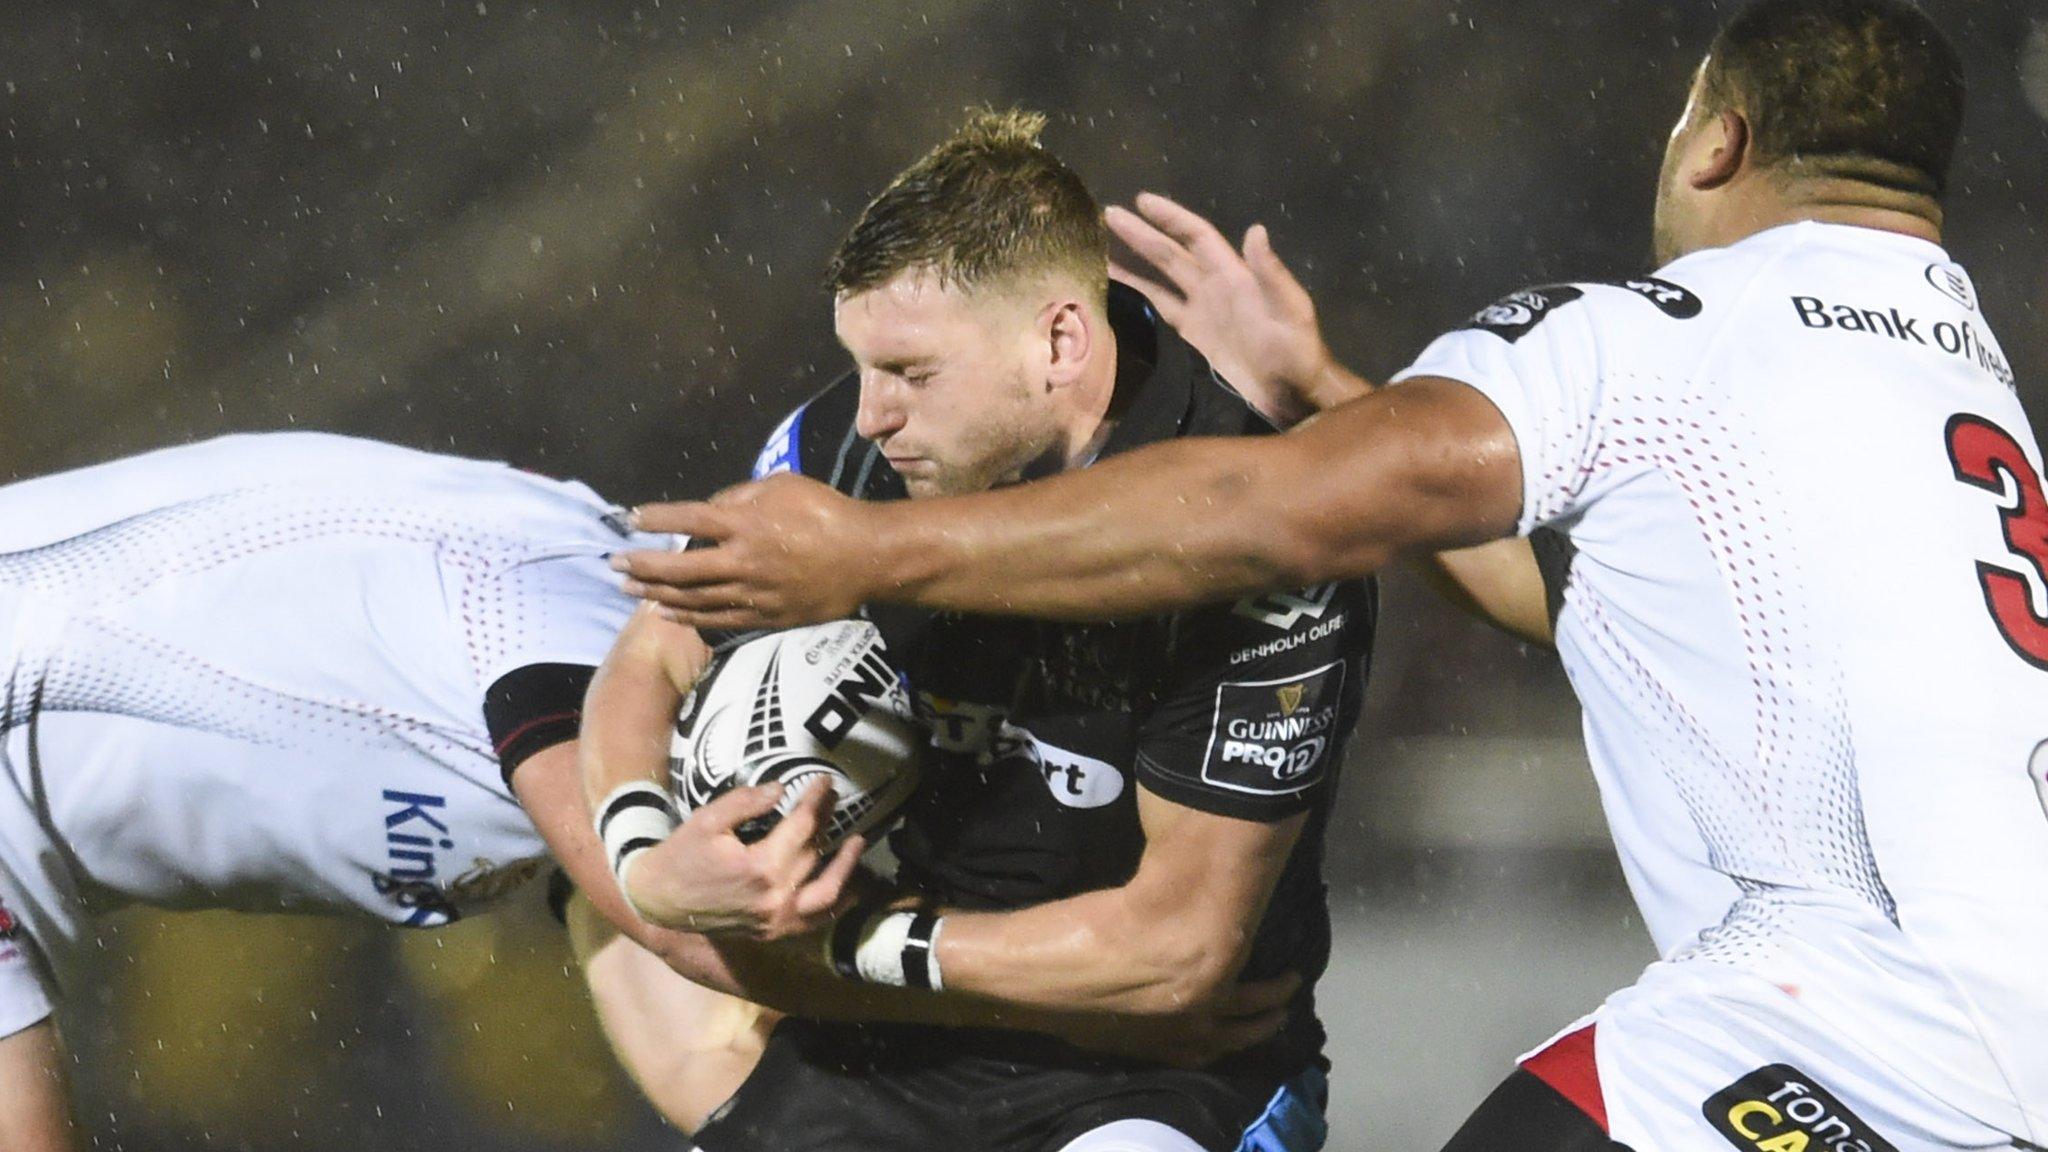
(686, 1045)
(1112, 540)
(1095, 953)
(1170, 938)
(791, 976)
(1147, 968)
(794, 977)
(632, 702)
(1200, 520)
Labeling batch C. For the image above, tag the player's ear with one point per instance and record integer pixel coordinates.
(1069, 338)
(1727, 152)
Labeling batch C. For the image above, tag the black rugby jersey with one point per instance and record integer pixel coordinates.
(1043, 730)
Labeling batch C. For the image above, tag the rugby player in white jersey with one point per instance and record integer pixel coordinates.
(309, 673)
(1804, 617)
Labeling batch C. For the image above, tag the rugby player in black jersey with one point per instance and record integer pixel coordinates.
(1124, 822)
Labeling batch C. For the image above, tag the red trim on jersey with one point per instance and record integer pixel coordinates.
(1567, 1065)
(513, 736)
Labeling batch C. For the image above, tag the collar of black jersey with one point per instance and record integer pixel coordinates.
(1155, 375)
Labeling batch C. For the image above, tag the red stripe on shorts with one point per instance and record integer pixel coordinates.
(1567, 1065)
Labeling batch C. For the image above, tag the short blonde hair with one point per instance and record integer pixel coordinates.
(989, 204)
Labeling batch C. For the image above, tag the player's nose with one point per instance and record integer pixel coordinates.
(881, 411)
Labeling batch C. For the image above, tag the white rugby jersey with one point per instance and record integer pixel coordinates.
(250, 674)
(1807, 624)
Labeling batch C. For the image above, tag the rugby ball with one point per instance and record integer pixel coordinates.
(817, 703)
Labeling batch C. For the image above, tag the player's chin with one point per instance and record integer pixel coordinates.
(925, 485)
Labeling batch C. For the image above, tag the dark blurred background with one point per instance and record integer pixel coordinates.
(587, 237)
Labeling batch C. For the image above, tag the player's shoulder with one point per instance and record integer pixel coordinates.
(1659, 301)
(305, 470)
(1166, 388)
(246, 457)
(492, 508)
(1714, 286)
(819, 438)
(1282, 629)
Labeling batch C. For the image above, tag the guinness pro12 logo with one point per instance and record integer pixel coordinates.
(1271, 736)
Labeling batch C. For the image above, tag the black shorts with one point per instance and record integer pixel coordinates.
(848, 1089)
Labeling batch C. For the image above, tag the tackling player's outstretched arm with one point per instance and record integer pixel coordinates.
(1202, 532)
(686, 1046)
(1427, 465)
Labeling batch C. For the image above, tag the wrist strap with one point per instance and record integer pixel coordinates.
(896, 947)
(635, 817)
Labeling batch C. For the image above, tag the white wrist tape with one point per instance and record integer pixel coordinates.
(899, 949)
(879, 958)
(633, 818)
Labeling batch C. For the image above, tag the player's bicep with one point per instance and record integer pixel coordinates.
(1261, 697)
(1538, 358)
(1427, 465)
(1209, 873)
(1201, 889)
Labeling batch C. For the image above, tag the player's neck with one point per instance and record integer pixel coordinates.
(1092, 424)
(1854, 203)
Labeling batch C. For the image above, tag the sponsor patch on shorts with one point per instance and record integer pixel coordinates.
(1271, 737)
(1781, 1109)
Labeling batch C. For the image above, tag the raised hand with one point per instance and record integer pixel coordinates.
(1244, 311)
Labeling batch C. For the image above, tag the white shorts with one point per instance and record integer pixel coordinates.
(1700, 1057)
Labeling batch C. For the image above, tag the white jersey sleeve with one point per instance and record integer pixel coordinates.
(1538, 356)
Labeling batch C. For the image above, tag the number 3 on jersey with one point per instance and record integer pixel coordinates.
(1986, 456)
